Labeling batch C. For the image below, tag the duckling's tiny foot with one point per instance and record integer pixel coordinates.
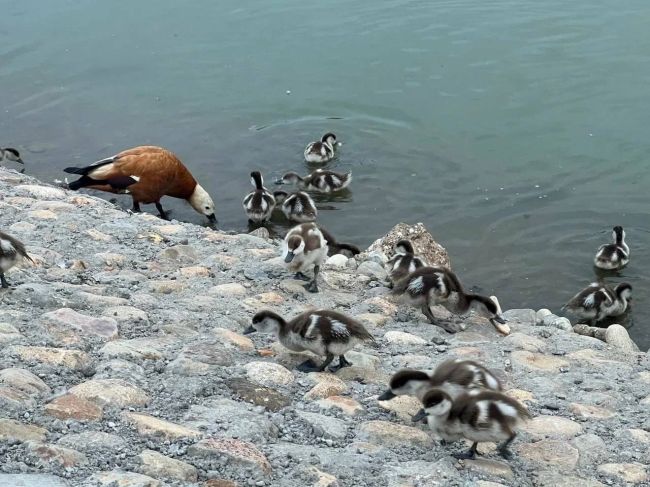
(308, 366)
(468, 455)
(301, 277)
(3, 282)
(312, 287)
(342, 364)
(505, 453)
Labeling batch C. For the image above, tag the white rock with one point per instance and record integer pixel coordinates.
(541, 314)
(338, 261)
(268, 373)
(618, 337)
(403, 338)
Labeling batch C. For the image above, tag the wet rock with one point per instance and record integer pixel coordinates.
(590, 412)
(15, 431)
(550, 453)
(347, 405)
(258, 395)
(234, 451)
(150, 426)
(618, 337)
(268, 374)
(159, 466)
(66, 322)
(325, 426)
(633, 473)
(111, 392)
(392, 435)
(45, 455)
(117, 478)
(403, 338)
(423, 243)
(70, 406)
(92, 441)
(552, 427)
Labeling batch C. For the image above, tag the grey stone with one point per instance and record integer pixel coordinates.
(32, 480)
(325, 426)
(521, 316)
(618, 337)
(258, 394)
(373, 270)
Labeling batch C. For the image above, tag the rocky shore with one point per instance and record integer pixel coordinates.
(122, 364)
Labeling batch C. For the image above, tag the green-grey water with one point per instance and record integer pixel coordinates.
(516, 130)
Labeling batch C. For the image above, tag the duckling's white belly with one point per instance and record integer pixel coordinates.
(305, 261)
(452, 303)
(294, 342)
(340, 348)
(618, 307)
(7, 263)
(493, 432)
(444, 428)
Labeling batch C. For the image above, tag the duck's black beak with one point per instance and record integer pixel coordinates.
(386, 396)
(249, 330)
(289, 257)
(212, 218)
(419, 416)
(279, 181)
(20, 161)
(500, 319)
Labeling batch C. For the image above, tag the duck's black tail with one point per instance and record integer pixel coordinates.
(92, 167)
(338, 247)
(82, 182)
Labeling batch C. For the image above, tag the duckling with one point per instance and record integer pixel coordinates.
(321, 151)
(477, 415)
(10, 154)
(615, 255)
(453, 375)
(260, 203)
(297, 207)
(11, 251)
(336, 247)
(304, 246)
(403, 262)
(598, 301)
(322, 332)
(430, 286)
(321, 180)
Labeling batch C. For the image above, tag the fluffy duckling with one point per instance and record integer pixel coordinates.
(321, 151)
(11, 251)
(259, 204)
(303, 247)
(321, 180)
(430, 286)
(615, 255)
(598, 301)
(147, 173)
(403, 262)
(454, 376)
(298, 207)
(336, 247)
(10, 154)
(322, 332)
(477, 415)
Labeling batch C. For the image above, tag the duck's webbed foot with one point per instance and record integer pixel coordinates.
(3, 282)
(468, 455)
(343, 362)
(308, 366)
(312, 287)
(503, 448)
(301, 277)
(163, 214)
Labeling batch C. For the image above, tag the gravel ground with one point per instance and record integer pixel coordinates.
(122, 363)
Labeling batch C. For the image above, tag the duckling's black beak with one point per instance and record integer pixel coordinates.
(419, 416)
(289, 257)
(386, 396)
(500, 319)
(20, 161)
(249, 330)
(279, 181)
(212, 218)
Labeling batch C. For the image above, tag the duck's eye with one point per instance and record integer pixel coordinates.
(207, 207)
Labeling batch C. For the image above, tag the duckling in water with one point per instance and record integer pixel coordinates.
(430, 286)
(12, 251)
(260, 203)
(615, 255)
(305, 246)
(321, 151)
(477, 415)
(454, 376)
(11, 154)
(321, 180)
(322, 332)
(298, 207)
(599, 301)
(403, 262)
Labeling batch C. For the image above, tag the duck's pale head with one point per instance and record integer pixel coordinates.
(436, 402)
(265, 322)
(405, 382)
(201, 201)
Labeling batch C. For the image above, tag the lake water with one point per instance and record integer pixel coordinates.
(517, 131)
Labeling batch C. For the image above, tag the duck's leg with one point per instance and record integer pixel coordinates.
(3, 281)
(308, 366)
(328, 360)
(136, 207)
(164, 215)
(301, 277)
(503, 447)
(468, 454)
(343, 362)
(312, 287)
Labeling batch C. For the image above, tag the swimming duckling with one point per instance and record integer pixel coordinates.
(260, 203)
(430, 286)
(403, 262)
(598, 301)
(615, 255)
(455, 376)
(11, 251)
(477, 415)
(321, 151)
(304, 246)
(321, 180)
(11, 154)
(322, 332)
(297, 207)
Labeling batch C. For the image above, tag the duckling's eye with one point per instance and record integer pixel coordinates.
(207, 207)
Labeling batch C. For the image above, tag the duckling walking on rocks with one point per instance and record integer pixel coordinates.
(11, 252)
(11, 154)
(615, 255)
(403, 262)
(321, 180)
(322, 332)
(147, 173)
(298, 207)
(321, 151)
(477, 415)
(260, 203)
(430, 286)
(599, 301)
(303, 247)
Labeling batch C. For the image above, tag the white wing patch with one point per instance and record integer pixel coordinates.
(7, 246)
(416, 285)
(507, 409)
(590, 299)
(339, 330)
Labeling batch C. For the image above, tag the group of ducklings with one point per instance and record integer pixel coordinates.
(299, 205)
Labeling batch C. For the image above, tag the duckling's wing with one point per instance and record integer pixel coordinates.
(10, 246)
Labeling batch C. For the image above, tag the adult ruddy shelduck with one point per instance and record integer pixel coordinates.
(147, 173)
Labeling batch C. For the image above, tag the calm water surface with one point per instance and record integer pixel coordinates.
(517, 131)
